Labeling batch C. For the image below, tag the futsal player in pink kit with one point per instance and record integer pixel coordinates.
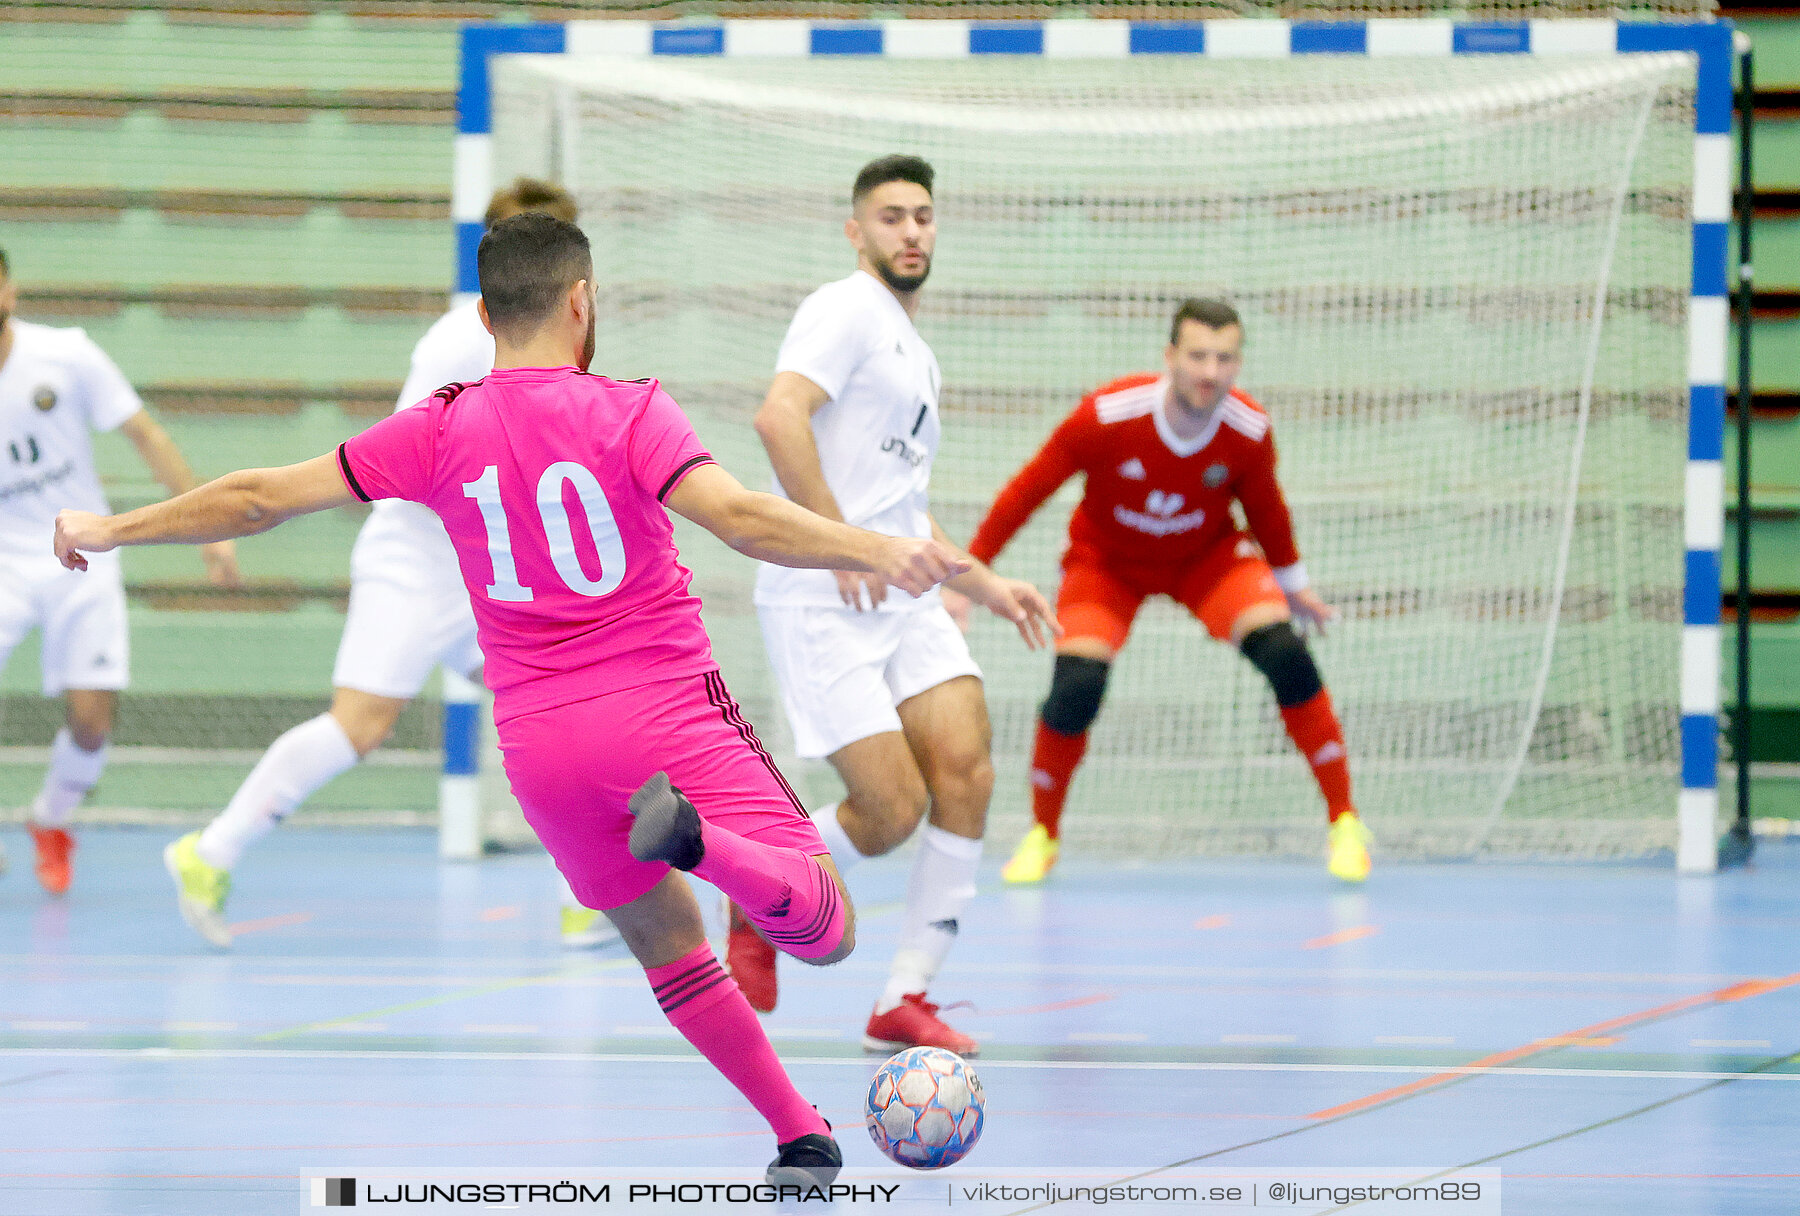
(623, 746)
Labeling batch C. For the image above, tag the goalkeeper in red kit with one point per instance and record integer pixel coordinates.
(1164, 457)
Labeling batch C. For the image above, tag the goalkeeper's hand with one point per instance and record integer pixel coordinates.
(1309, 611)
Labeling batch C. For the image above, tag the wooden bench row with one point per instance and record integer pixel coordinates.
(87, 204)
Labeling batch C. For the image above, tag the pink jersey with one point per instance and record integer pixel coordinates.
(550, 483)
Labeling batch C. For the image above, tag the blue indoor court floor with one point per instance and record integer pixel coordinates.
(1610, 1038)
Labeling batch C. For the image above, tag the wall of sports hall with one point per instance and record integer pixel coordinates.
(248, 206)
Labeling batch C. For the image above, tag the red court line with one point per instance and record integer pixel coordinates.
(505, 912)
(1356, 933)
(1734, 992)
(270, 922)
(1213, 922)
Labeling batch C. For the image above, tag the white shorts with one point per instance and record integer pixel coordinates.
(86, 644)
(408, 613)
(842, 672)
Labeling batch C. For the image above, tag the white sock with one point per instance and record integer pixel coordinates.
(941, 886)
(72, 773)
(837, 841)
(295, 765)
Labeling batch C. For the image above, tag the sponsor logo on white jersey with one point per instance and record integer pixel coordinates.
(38, 483)
(1132, 470)
(911, 453)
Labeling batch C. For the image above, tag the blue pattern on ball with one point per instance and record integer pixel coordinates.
(925, 1108)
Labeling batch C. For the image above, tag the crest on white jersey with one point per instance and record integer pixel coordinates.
(44, 397)
(1163, 504)
(1132, 470)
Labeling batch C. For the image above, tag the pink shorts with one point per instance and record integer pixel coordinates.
(573, 769)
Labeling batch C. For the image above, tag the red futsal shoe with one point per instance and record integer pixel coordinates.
(914, 1023)
(53, 848)
(751, 962)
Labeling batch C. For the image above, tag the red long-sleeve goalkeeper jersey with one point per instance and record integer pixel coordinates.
(1151, 499)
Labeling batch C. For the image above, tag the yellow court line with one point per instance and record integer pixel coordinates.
(526, 981)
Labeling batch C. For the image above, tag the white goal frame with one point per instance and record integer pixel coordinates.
(1710, 43)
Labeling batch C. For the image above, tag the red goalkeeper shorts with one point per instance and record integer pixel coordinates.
(1099, 599)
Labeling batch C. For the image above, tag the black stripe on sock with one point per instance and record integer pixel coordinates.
(673, 1003)
(676, 979)
(816, 928)
(689, 986)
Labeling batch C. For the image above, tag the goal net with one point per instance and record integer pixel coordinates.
(1464, 286)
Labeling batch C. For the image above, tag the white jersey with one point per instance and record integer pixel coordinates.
(878, 433)
(455, 350)
(56, 388)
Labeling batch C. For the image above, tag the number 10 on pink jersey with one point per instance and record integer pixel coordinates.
(559, 535)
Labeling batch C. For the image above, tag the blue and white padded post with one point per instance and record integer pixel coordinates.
(459, 788)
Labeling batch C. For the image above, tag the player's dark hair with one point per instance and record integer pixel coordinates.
(1214, 314)
(530, 194)
(897, 168)
(526, 264)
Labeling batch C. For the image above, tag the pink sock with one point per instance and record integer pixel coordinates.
(701, 1001)
(783, 892)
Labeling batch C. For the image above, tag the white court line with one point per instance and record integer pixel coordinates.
(564, 1057)
(1158, 971)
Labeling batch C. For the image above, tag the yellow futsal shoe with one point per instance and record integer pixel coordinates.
(1033, 859)
(200, 890)
(1349, 848)
(584, 928)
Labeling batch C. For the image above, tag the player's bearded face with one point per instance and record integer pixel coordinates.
(896, 229)
(1204, 364)
(918, 265)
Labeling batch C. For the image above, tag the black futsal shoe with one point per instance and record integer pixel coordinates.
(666, 826)
(811, 1160)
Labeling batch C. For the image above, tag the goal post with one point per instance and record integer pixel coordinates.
(1483, 271)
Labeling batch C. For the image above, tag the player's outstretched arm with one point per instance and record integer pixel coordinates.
(772, 529)
(168, 466)
(237, 504)
(1012, 599)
